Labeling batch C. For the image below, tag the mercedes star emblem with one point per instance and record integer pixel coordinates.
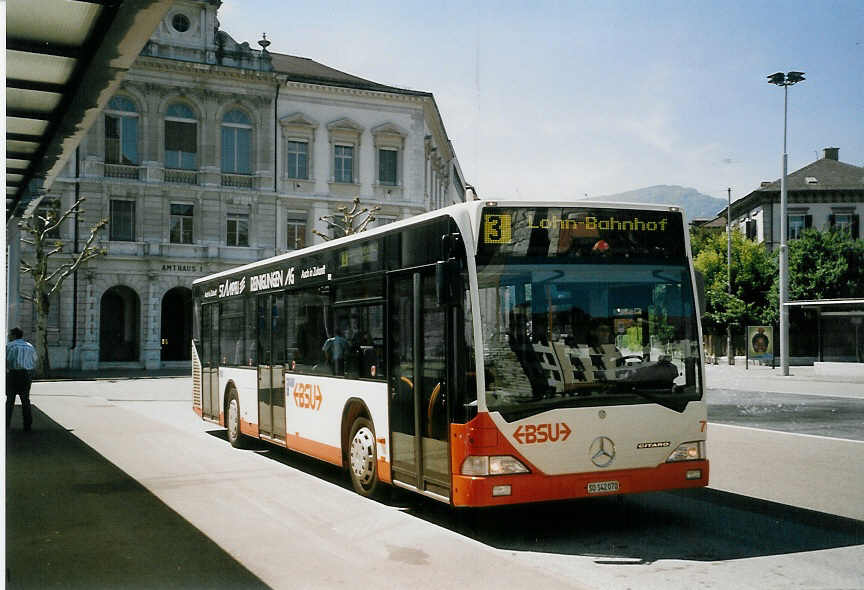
(602, 451)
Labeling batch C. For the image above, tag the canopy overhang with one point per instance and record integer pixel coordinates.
(64, 61)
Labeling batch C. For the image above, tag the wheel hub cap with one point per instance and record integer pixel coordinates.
(362, 455)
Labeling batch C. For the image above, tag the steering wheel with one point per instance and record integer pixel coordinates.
(623, 360)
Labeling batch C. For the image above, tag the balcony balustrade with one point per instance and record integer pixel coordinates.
(178, 176)
(237, 180)
(123, 171)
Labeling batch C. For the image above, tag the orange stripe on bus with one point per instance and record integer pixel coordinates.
(248, 428)
(313, 448)
(384, 471)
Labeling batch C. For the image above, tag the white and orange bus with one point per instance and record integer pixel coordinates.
(486, 353)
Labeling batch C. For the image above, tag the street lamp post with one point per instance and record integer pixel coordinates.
(730, 354)
(784, 80)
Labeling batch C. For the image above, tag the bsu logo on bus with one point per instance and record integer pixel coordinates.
(306, 395)
(528, 434)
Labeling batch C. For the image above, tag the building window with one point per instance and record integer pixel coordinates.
(181, 223)
(47, 214)
(846, 221)
(238, 229)
(797, 224)
(389, 142)
(122, 221)
(387, 172)
(121, 132)
(343, 165)
(180, 22)
(296, 232)
(297, 164)
(181, 138)
(236, 143)
(345, 137)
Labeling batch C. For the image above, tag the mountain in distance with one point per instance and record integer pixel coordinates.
(695, 204)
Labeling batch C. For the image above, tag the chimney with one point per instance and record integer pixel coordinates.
(764, 183)
(831, 153)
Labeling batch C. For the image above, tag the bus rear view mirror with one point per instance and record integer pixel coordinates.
(445, 281)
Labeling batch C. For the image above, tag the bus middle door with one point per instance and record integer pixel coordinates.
(417, 383)
(271, 366)
(210, 361)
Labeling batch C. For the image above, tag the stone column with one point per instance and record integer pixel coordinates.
(152, 346)
(90, 338)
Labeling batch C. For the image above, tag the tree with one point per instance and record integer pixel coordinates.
(48, 278)
(344, 223)
(753, 273)
(824, 265)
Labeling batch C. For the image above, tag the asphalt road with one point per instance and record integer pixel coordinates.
(820, 415)
(768, 521)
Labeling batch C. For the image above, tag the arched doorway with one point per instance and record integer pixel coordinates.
(119, 325)
(177, 325)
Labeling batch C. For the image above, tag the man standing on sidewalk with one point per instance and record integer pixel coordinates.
(20, 363)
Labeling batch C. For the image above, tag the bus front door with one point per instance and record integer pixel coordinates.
(210, 361)
(417, 384)
(271, 366)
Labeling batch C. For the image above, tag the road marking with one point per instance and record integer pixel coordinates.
(852, 440)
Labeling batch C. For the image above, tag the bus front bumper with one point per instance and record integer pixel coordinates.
(470, 491)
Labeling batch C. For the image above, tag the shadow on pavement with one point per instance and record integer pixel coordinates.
(74, 520)
(697, 525)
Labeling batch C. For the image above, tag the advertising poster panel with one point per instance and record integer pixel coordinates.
(760, 343)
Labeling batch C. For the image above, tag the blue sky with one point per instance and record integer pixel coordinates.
(562, 99)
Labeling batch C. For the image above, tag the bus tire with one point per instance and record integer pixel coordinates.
(363, 458)
(232, 419)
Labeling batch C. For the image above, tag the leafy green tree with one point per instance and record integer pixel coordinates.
(753, 272)
(824, 265)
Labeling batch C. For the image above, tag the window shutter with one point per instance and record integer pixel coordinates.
(855, 219)
(808, 221)
(832, 221)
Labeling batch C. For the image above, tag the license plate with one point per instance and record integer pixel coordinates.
(600, 487)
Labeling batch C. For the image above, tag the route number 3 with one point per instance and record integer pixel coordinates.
(497, 229)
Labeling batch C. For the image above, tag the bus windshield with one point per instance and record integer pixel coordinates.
(586, 307)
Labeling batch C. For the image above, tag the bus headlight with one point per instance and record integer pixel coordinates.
(494, 465)
(688, 451)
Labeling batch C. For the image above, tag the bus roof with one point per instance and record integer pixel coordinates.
(471, 208)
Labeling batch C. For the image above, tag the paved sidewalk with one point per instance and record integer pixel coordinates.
(74, 520)
(115, 374)
(803, 380)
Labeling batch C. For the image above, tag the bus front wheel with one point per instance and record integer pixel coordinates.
(362, 458)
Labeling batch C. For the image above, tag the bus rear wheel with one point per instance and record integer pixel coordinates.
(232, 420)
(362, 458)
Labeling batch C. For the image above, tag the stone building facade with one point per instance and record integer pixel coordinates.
(213, 154)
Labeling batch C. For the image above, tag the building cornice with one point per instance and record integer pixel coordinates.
(161, 64)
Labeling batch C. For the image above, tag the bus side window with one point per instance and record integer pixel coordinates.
(363, 328)
(231, 330)
(306, 330)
